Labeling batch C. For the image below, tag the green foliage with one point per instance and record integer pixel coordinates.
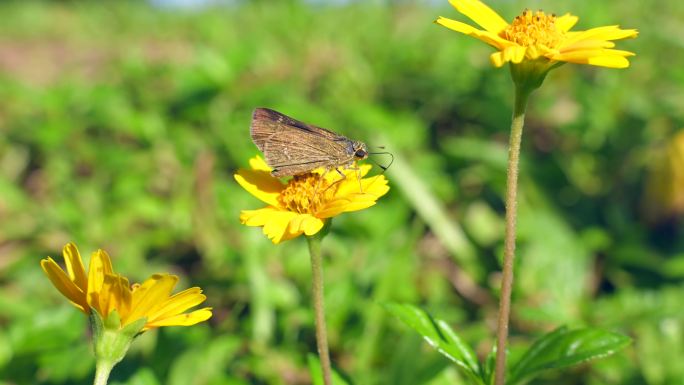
(563, 348)
(438, 334)
(121, 125)
(558, 349)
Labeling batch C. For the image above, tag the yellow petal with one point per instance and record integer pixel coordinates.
(74, 265)
(107, 296)
(497, 59)
(584, 45)
(65, 286)
(274, 221)
(341, 206)
(261, 184)
(277, 225)
(609, 61)
(332, 176)
(304, 223)
(566, 22)
(376, 186)
(362, 170)
(352, 202)
(611, 58)
(124, 296)
(487, 37)
(481, 14)
(353, 195)
(99, 266)
(610, 32)
(258, 163)
(188, 319)
(313, 226)
(147, 297)
(613, 32)
(258, 217)
(514, 53)
(178, 303)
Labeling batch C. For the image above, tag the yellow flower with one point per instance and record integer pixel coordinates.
(103, 290)
(305, 202)
(536, 35)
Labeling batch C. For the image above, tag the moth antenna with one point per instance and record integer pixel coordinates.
(384, 168)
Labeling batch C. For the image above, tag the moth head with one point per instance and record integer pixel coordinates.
(360, 150)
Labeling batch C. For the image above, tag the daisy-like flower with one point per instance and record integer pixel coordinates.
(105, 291)
(537, 35)
(305, 202)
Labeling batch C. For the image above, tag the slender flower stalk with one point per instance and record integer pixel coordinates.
(318, 304)
(521, 96)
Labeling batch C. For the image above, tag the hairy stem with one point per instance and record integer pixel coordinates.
(521, 96)
(319, 308)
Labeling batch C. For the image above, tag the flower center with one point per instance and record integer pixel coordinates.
(304, 194)
(532, 29)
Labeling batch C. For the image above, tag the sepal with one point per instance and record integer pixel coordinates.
(110, 340)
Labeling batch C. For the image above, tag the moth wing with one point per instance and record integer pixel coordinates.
(291, 147)
(267, 124)
(291, 155)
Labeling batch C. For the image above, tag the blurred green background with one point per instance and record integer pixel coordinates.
(122, 123)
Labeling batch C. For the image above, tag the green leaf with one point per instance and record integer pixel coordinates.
(440, 336)
(490, 366)
(563, 348)
(317, 375)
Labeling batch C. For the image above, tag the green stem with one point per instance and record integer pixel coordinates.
(521, 96)
(102, 371)
(319, 309)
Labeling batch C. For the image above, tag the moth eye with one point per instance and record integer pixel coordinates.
(360, 154)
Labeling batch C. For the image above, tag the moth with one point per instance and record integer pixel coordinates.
(292, 147)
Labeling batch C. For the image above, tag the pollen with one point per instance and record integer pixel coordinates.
(534, 29)
(306, 193)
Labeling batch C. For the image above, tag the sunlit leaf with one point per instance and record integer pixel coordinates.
(440, 336)
(563, 348)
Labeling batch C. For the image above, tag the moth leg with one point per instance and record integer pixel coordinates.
(320, 181)
(337, 181)
(340, 172)
(356, 169)
(358, 178)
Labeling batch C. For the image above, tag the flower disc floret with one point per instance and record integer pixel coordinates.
(532, 29)
(306, 193)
